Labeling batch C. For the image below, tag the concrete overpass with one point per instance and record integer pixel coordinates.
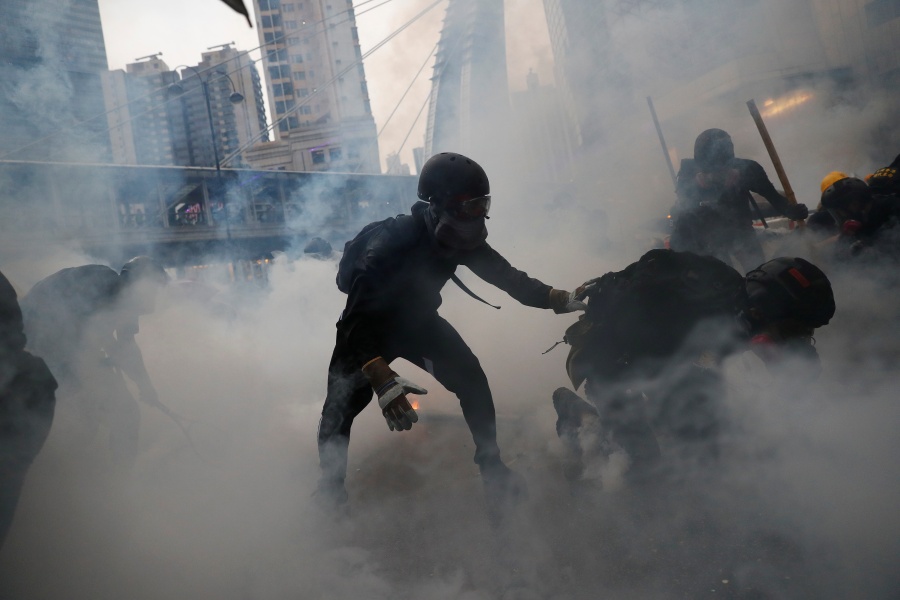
(186, 215)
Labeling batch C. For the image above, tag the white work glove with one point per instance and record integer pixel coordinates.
(397, 411)
(391, 390)
(562, 301)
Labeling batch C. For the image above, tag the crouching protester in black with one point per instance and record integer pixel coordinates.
(394, 283)
(83, 321)
(650, 346)
(27, 402)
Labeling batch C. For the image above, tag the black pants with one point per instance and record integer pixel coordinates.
(682, 402)
(434, 345)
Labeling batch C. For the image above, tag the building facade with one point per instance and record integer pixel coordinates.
(159, 117)
(318, 98)
(469, 104)
(52, 55)
(541, 132)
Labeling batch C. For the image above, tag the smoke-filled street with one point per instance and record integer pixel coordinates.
(644, 262)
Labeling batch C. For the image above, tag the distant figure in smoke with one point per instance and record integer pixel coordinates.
(27, 401)
(393, 272)
(318, 248)
(713, 214)
(651, 342)
(83, 320)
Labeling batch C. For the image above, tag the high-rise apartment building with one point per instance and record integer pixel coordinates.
(160, 117)
(52, 54)
(469, 102)
(318, 98)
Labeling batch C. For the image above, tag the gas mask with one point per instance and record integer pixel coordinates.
(455, 231)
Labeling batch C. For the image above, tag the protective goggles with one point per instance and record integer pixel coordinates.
(469, 208)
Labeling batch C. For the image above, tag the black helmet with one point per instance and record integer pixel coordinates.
(448, 174)
(143, 267)
(791, 288)
(713, 148)
(841, 193)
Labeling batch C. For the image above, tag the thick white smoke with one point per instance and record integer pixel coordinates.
(801, 505)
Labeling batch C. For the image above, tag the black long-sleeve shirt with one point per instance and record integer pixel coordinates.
(732, 201)
(400, 277)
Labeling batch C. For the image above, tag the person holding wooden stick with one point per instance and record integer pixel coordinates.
(713, 215)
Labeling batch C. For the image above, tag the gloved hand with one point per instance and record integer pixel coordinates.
(391, 390)
(796, 212)
(562, 301)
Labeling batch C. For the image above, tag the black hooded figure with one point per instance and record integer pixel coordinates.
(27, 403)
(712, 215)
(394, 284)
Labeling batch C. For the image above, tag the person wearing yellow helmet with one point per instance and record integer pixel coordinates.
(822, 221)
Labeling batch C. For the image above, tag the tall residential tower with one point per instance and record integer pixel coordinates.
(318, 98)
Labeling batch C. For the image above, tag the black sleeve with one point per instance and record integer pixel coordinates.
(12, 329)
(496, 270)
(757, 181)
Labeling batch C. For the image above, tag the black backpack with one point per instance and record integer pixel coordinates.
(649, 309)
(353, 250)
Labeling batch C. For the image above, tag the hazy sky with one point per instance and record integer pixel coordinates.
(182, 30)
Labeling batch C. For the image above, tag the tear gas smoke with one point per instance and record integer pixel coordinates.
(802, 503)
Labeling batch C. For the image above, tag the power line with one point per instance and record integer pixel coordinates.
(340, 74)
(409, 87)
(119, 107)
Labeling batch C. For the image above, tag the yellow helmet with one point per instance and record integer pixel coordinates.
(831, 178)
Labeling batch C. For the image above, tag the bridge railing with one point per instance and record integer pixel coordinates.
(114, 204)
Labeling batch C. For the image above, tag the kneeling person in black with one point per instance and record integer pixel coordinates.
(391, 312)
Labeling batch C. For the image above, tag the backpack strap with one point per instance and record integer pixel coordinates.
(463, 287)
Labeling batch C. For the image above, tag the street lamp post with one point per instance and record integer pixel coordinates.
(235, 98)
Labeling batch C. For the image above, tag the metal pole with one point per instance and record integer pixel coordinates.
(662, 141)
(212, 131)
(221, 186)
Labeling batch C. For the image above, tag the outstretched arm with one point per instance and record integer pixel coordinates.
(126, 355)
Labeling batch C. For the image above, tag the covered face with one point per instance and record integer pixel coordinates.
(459, 222)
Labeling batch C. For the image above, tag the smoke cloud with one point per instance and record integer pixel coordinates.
(801, 504)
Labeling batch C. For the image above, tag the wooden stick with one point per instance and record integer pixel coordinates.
(773, 154)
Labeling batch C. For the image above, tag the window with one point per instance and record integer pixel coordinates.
(305, 110)
(289, 7)
(303, 92)
(282, 127)
(269, 37)
(291, 24)
(318, 156)
(279, 107)
(276, 20)
(275, 72)
(266, 21)
(297, 59)
(277, 55)
(334, 154)
(293, 40)
(299, 75)
(263, 4)
(293, 122)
